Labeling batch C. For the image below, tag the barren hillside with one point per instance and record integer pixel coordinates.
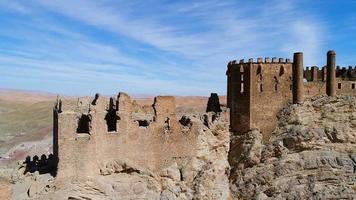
(25, 117)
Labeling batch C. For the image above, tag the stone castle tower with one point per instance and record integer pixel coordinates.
(258, 90)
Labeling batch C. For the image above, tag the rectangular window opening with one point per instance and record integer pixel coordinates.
(84, 124)
(111, 121)
(143, 123)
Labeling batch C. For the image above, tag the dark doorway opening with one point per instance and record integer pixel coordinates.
(84, 124)
(111, 120)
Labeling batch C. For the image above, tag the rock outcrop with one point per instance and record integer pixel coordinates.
(311, 154)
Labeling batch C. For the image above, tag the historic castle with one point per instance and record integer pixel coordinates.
(258, 90)
(91, 135)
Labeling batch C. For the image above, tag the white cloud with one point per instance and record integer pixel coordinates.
(191, 41)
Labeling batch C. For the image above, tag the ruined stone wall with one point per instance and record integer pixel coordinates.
(314, 88)
(345, 86)
(151, 138)
(315, 81)
(315, 74)
(316, 85)
(346, 80)
(346, 73)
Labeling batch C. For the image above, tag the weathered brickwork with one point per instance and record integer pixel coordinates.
(258, 90)
(91, 134)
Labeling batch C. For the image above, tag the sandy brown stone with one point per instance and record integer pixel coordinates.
(5, 189)
(257, 91)
(310, 154)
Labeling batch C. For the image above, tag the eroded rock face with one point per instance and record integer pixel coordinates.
(311, 154)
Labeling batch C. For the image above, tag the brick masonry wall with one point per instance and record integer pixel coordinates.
(266, 91)
(270, 92)
(153, 147)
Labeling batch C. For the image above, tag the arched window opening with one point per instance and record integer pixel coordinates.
(167, 125)
(281, 71)
(259, 70)
(275, 84)
(260, 85)
(84, 124)
(241, 68)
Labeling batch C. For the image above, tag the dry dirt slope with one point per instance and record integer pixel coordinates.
(24, 117)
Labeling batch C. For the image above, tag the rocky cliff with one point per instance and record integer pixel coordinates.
(311, 154)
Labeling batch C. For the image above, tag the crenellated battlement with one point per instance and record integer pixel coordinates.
(118, 108)
(346, 72)
(315, 73)
(258, 89)
(266, 60)
(319, 72)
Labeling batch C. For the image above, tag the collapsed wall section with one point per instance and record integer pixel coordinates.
(148, 137)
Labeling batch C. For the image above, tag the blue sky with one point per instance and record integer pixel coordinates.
(161, 47)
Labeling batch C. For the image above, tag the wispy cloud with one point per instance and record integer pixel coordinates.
(149, 46)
